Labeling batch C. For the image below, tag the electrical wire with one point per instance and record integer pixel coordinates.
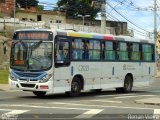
(126, 18)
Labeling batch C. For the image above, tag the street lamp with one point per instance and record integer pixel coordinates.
(83, 16)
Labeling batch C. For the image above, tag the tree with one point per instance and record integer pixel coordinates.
(74, 8)
(26, 3)
(40, 7)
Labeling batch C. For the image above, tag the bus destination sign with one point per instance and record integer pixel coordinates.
(34, 35)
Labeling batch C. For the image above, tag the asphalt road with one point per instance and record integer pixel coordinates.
(106, 105)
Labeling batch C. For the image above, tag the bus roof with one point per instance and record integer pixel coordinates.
(72, 33)
(100, 36)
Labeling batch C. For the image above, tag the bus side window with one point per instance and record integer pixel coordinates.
(77, 49)
(147, 52)
(94, 50)
(123, 51)
(109, 50)
(135, 51)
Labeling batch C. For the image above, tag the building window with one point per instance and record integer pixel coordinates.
(58, 21)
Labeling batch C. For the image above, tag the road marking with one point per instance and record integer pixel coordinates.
(156, 111)
(12, 113)
(133, 96)
(89, 114)
(110, 101)
(92, 112)
(102, 106)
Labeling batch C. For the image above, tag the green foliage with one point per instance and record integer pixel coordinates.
(40, 7)
(1, 15)
(4, 76)
(78, 7)
(26, 3)
(2, 34)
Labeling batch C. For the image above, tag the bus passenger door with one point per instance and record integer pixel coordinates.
(62, 65)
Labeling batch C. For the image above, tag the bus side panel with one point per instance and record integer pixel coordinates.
(61, 79)
(148, 74)
(95, 74)
(90, 71)
(111, 72)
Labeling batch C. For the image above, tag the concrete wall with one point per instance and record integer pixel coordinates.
(7, 25)
(44, 17)
(4, 59)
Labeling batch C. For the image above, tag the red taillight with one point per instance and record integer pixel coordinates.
(43, 86)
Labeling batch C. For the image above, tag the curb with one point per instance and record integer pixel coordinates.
(149, 101)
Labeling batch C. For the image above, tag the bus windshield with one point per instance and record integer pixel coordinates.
(31, 56)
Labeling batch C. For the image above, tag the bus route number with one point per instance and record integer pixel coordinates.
(83, 67)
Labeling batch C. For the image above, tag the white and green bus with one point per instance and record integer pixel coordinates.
(64, 61)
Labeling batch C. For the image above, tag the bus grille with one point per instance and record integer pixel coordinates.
(28, 85)
(21, 74)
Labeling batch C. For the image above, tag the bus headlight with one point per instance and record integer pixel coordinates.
(12, 77)
(46, 78)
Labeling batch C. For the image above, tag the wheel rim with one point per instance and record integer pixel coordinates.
(75, 87)
(127, 84)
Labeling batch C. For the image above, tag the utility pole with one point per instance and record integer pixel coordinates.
(155, 27)
(14, 15)
(102, 5)
(155, 20)
(103, 16)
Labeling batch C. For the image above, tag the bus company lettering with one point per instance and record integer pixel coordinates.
(128, 67)
(83, 67)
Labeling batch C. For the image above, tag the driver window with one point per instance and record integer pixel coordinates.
(62, 52)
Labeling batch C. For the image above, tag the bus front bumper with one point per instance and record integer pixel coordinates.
(31, 86)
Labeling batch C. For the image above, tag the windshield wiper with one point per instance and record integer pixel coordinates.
(22, 43)
(36, 45)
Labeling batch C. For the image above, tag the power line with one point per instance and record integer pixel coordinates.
(126, 18)
(135, 30)
(129, 7)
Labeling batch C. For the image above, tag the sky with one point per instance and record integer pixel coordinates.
(137, 13)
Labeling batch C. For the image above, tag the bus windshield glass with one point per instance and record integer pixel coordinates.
(31, 56)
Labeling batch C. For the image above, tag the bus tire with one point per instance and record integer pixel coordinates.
(39, 93)
(75, 87)
(128, 83)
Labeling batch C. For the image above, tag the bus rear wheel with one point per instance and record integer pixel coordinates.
(39, 93)
(128, 84)
(75, 87)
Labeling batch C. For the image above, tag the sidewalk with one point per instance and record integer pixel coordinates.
(4, 87)
(158, 74)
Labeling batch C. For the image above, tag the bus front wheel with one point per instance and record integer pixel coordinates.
(39, 93)
(128, 83)
(75, 87)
